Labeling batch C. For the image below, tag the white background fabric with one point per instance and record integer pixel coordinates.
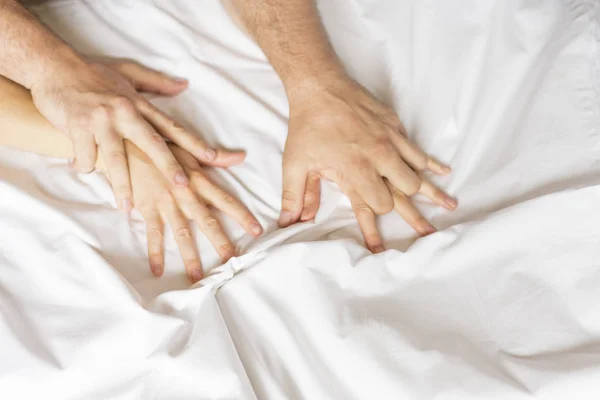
(501, 303)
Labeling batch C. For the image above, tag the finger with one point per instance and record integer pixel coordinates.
(225, 202)
(197, 210)
(185, 241)
(154, 232)
(133, 127)
(312, 197)
(409, 213)
(149, 80)
(370, 186)
(366, 221)
(416, 158)
(85, 151)
(438, 196)
(113, 151)
(292, 195)
(187, 140)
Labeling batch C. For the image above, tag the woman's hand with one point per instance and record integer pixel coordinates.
(160, 202)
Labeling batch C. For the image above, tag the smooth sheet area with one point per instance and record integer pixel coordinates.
(501, 303)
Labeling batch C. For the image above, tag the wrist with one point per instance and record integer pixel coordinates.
(64, 62)
(327, 81)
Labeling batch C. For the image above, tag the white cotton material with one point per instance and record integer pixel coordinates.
(501, 303)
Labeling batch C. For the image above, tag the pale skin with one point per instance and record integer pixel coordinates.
(159, 202)
(337, 129)
(95, 106)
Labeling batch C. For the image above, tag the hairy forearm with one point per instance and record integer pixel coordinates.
(23, 127)
(292, 36)
(30, 52)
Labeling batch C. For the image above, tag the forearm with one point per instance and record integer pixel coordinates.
(23, 127)
(292, 36)
(30, 51)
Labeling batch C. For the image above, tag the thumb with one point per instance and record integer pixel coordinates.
(149, 80)
(292, 196)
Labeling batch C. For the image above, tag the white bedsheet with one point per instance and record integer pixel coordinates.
(502, 303)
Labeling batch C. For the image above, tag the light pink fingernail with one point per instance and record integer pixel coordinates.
(451, 203)
(286, 218)
(256, 229)
(210, 154)
(378, 249)
(197, 275)
(181, 179)
(428, 230)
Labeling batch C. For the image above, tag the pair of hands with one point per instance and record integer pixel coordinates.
(101, 110)
(338, 131)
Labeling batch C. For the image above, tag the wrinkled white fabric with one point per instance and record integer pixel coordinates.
(501, 303)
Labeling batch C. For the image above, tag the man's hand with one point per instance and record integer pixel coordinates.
(339, 131)
(97, 105)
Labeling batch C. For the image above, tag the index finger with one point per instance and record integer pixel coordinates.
(188, 141)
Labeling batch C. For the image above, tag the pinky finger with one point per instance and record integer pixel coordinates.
(366, 221)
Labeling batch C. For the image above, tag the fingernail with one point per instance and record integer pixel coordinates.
(256, 229)
(286, 218)
(127, 205)
(180, 80)
(181, 179)
(446, 169)
(451, 203)
(428, 230)
(197, 275)
(378, 249)
(156, 269)
(210, 154)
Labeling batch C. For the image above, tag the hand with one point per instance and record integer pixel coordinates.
(97, 105)
(160, 202)
(339, 131)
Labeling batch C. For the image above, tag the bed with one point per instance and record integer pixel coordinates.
(501, 303)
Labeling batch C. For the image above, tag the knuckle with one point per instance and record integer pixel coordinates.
(154, 234)
(363, 210)
(360, 163)
(84, 120)
(211, 223)
(228, 199)
(381, 147)
(122, 103)
(183, 233)
(100, 113)
(156, 139)
(288, 196)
